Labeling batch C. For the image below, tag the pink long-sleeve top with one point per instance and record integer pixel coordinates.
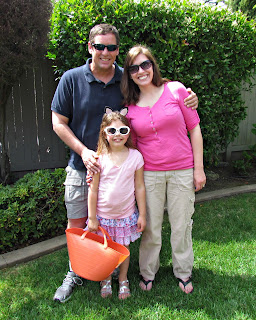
(161, 132)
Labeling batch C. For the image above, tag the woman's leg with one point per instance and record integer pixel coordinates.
(180, 203)
(151, 240)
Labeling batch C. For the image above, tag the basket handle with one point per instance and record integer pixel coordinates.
(104, 232)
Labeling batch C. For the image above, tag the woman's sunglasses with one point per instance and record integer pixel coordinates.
(101, 47)
(134, 68)
(112, 130)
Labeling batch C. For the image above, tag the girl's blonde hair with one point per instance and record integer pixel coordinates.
(108, 118)
(129, 88)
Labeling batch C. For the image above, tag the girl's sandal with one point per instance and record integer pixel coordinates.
(124, 290)
(106, 289)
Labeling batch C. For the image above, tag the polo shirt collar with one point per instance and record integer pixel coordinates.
(90, 77)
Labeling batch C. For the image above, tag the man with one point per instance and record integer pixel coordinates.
(77, 109)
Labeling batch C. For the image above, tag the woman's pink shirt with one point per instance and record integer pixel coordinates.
(161, 132)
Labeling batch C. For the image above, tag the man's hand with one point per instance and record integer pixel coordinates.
(191, 101)
(89, 158)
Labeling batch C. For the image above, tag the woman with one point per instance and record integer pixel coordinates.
(174, 169)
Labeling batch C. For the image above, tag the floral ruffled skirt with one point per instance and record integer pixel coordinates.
(123, 231)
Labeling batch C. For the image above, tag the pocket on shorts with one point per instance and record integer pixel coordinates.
(75, 189)
(150, 180)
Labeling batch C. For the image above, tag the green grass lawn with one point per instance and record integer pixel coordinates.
(224, 237)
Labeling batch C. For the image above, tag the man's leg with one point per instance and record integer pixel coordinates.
(76, 204)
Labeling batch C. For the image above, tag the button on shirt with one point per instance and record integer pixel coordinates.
(161, 132)
(82, 99)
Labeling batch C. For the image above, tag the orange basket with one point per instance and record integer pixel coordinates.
(92, 256)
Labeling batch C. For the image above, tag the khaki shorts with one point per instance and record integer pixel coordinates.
(76, 194)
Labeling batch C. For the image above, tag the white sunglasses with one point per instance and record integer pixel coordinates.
(111, 131)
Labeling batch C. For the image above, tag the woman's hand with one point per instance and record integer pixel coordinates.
(199, 179)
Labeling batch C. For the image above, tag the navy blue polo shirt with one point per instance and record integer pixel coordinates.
(82, 98)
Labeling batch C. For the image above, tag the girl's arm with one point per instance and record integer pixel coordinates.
(197, 147)
(140, 195)
(93, 222)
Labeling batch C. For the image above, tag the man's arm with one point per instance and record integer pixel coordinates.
(61, 128)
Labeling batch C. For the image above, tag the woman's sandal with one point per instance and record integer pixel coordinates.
(185, 283)
(124, 290)
(146, 283)
(106, 289)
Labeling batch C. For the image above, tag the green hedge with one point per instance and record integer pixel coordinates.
(32, 209)
(210, 50)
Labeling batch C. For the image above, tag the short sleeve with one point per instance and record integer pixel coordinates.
(191, 116)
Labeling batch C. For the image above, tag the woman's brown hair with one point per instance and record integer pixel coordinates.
(129, 88)
(108, 118)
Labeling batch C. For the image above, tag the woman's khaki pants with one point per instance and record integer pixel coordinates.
(178, 189)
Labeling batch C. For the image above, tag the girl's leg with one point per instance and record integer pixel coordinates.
(151, 240)
(106, 289)
(180, 203)
(124, 290)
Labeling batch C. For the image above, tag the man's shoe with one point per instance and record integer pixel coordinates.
(63, 293)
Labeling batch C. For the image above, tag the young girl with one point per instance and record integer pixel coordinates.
(112, 192)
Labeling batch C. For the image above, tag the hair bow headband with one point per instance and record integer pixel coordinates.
(123, 111)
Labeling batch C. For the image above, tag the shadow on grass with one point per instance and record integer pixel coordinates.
(29, 289)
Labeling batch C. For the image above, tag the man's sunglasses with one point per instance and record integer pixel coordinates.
(111, 131)
(101, 47)
(134, 68)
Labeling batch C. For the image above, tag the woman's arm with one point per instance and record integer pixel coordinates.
(93, 222)
(140, 195)
(197, 147)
